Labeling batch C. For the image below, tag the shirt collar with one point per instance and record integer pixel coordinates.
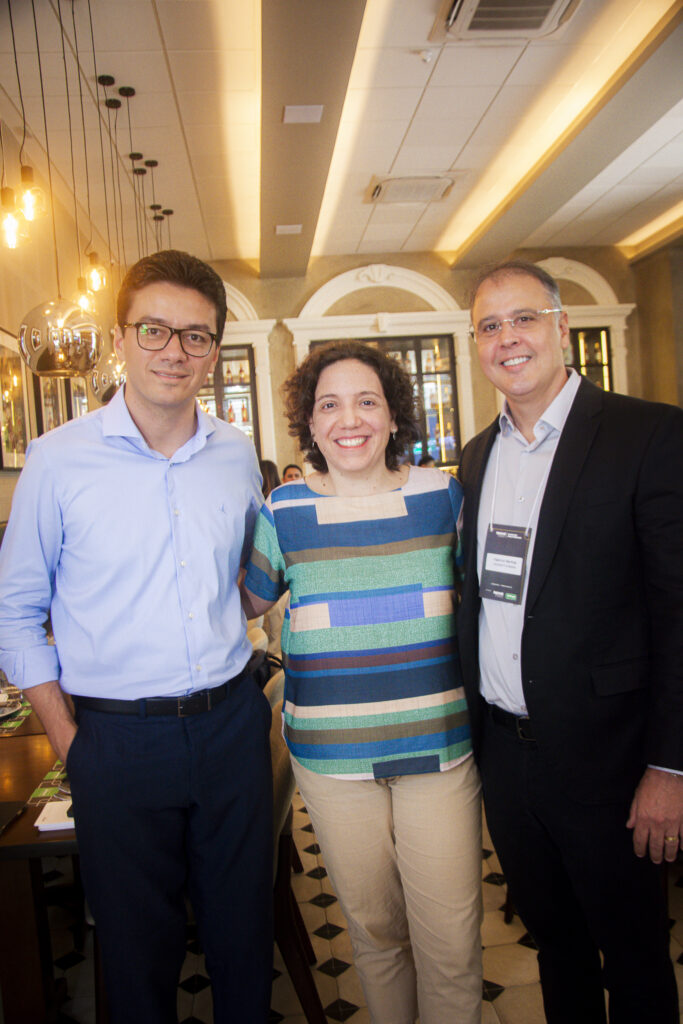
(118, 422)
(555, 416)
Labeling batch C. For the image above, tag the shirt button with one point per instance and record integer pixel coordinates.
(198, 668)
(520, 499)
(191, 615)
(515, 657)
(176, 511)
(182, 564)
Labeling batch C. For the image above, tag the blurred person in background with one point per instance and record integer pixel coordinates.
(291, 472)
(271, 477)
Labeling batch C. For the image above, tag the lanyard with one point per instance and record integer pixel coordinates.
(541, 488)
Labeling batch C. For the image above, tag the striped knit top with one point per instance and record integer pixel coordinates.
(372, 682)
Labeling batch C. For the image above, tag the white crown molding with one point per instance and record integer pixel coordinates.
(594, 283)
(238, 304)
(378, 275)
(256, 333)
(247, 329)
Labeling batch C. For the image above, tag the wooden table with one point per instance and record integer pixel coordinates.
(26, 977)
(31, 726)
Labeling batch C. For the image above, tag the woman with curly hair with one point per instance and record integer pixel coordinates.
(374, 715)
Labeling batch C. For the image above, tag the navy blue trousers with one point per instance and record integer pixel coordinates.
(168, 807)
(580, 890)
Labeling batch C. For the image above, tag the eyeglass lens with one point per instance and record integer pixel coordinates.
(156, 336)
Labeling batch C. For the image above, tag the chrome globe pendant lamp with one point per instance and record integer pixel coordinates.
(107, 377)
(58, 338)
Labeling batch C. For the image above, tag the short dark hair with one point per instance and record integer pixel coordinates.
(519, 267)
(299, 394)
(291, 465)
(174, 267)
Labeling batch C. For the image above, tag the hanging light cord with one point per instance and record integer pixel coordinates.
(113, 175)
(144, 207)
(71, 139)
(118, 179)
(138, 231)
(85, 144)
(47, 150)
(2, 155)
(21, 97)
(99, 125)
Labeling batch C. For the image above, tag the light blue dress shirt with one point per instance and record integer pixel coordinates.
(136, 557)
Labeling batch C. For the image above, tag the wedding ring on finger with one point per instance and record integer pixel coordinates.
(670, 839)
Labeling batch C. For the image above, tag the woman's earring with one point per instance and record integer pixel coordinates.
(394, 433)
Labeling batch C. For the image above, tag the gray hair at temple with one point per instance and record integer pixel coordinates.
(510, 267)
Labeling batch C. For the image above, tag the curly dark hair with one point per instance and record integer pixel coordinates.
(174, 267)
(299, 395)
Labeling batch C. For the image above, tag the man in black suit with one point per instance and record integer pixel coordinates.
(571, 638)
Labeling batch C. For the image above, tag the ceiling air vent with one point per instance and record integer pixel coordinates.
(479, 20)
(425, 189)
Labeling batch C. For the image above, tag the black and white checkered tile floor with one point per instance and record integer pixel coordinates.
(511, 989)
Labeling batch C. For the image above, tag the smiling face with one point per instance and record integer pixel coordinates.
(160, 382)
(351, 422)
(527, 366)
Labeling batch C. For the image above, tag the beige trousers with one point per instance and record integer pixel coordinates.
(404, 857)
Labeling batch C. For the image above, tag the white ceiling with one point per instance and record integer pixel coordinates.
(571, 139)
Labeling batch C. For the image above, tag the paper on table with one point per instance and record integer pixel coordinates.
(54, 815)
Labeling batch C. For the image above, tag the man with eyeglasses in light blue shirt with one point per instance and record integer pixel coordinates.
(570, 639)
(129, 527)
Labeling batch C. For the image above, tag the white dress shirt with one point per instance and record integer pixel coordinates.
(514, 499)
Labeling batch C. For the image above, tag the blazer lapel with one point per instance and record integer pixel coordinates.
(573, 447)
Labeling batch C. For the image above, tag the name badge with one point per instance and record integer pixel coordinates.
(504, 567)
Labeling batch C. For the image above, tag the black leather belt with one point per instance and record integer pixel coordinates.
(519, 724)
(187, 704)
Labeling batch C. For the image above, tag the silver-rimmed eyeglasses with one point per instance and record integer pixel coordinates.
(153, 337)
(525, 321)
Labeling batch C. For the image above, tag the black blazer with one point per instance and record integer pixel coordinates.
(602, 643)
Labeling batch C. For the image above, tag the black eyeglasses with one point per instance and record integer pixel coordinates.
(153, 337)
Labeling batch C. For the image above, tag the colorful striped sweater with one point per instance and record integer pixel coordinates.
(372, 684)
